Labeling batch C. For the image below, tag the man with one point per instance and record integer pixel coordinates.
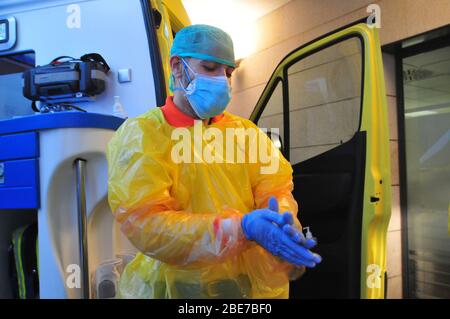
(219, 228)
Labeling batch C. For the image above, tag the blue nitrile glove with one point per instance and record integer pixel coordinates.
(265, 226)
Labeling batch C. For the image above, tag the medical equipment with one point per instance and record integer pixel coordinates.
(66, 81)
(118, 109)
(8, 33)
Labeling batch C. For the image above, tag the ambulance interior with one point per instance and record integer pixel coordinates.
(45, 30)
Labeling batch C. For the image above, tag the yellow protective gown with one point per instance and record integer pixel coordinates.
(184, 218)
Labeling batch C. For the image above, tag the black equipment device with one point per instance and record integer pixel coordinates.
(72, 80)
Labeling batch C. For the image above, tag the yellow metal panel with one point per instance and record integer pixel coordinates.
(174, 17)
(376, 215)
(178, 15)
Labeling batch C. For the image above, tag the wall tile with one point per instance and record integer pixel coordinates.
(392, 117)
(300, 16)
(396, 221)
(395, 290)
(394, 163)
(394, 253)
(244, 102)
(389, 73)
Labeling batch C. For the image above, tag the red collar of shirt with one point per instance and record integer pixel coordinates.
(176, 118)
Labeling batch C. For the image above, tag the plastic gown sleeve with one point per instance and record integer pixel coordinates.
(272, 176)
(139, 183)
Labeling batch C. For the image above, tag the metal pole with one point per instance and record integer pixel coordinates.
(80, 166)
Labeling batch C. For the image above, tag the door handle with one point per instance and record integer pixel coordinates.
(374, 199)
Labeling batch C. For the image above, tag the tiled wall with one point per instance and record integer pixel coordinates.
(300, 21)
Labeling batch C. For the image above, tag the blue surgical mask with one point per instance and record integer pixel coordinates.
(207, 95)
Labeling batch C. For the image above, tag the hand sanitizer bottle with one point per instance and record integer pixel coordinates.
(118, 109)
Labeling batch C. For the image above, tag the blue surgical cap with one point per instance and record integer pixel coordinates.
(204, 42)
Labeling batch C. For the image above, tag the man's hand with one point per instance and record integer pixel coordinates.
(276, 233)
